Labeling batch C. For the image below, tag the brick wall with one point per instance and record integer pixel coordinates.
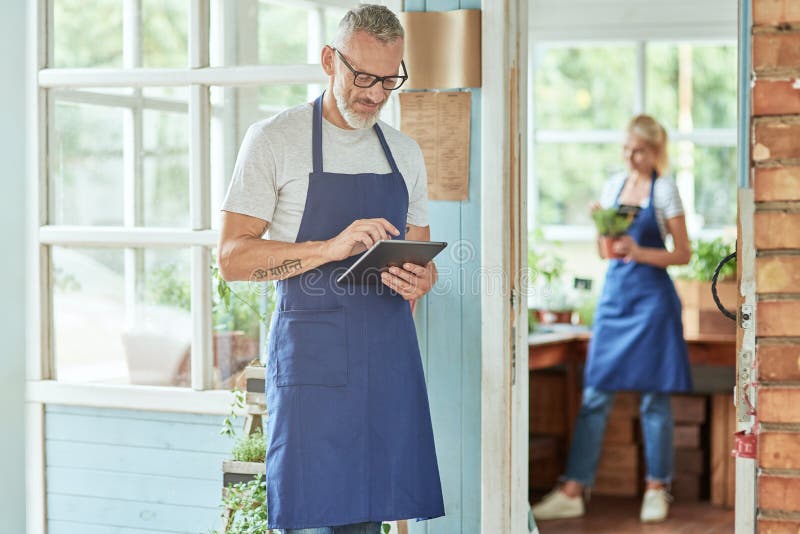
(776, 182)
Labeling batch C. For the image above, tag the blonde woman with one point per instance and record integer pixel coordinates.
(637, 339)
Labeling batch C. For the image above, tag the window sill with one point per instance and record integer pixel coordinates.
(147, 398)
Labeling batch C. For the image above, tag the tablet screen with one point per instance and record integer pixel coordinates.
(389, 253)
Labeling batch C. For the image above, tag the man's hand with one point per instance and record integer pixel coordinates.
(358, 237)
(412, 281)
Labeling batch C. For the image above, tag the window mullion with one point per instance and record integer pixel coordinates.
(641, 78)
(132, 156)
(202, 367)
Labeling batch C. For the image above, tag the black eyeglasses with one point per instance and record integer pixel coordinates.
(365, 79)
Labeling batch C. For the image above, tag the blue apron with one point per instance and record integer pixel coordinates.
(349, 436)
(637, 340)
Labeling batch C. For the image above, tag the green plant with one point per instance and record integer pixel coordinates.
(610, 222)
(706, 255)
(238, 310)
(239, 397)
(252, 448)
(246, 502)
(543, 260)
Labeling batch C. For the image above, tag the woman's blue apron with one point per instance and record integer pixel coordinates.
(349, 436)
(637, 340)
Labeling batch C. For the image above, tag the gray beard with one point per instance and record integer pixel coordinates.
(353, 119)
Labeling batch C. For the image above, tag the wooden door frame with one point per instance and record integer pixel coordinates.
(504, 369)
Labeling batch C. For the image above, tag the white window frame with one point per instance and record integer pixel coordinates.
(726, 137)
(75, 84)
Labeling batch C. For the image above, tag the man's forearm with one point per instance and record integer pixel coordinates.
(258, 260)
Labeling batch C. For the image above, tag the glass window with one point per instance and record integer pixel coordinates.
(165, 168)
(86, 164)
(583, 88)
(165, 40)
(570, 176)
(87, 33)
(122, 316)
(715, 185)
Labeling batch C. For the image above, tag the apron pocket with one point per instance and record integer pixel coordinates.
(311, 347)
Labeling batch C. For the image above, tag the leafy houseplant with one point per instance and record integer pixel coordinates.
(611, 225)
(550, 299)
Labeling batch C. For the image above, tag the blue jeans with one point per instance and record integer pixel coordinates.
(355, 528)
(587, 442)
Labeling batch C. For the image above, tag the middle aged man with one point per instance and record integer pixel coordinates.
(349, 437)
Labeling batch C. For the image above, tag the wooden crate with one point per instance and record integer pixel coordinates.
(689, 461)
(548, 404)
(687, 436)
(700, 314)
(689, 408)
(722, 464)
(620, 431)
(618, 472)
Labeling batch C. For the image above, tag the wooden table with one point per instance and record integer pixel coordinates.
(568, 348)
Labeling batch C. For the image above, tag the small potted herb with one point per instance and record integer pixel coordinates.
(611, 225)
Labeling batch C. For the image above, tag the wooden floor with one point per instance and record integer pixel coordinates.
(607, 515)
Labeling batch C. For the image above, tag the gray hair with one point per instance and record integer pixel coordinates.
(377, 21)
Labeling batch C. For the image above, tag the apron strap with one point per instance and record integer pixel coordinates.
(316, 135)
(386, 150)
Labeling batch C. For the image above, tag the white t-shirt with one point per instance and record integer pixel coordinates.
(666, 198)
(270, 178)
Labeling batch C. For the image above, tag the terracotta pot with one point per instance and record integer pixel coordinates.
(607, 247)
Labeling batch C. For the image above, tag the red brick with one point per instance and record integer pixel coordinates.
(778, 362)
(779, 405)
(779, 450)
(776, 52)
(775, 184)
(776, 139)
(776, 230)
(778, 318)
(779, 493)
(778, 274)
(771, 97)
(778, 526)
(771, 12)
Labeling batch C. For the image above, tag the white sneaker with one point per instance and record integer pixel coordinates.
(655, 505)
(558, 505)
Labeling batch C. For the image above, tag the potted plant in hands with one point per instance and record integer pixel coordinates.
(611, 225)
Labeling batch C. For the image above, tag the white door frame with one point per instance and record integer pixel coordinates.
(504, 369)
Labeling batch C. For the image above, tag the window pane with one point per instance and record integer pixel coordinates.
(661, 84)
(241, 322)
(86, 167)
(714, 82)
(87, 33)
(92, 148)
(122, 316)
(715, 185)
(234, 109)
(584, 87)
(710, 98)
(165, 168)
(570, 176)
(256, 32)
(165, 41)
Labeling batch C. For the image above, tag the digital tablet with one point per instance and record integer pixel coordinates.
(389, 253)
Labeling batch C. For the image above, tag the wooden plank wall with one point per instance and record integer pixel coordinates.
(130, 472)
(448, 326)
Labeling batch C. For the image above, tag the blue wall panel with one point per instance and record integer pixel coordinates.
(448, 323)
(127, 471)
